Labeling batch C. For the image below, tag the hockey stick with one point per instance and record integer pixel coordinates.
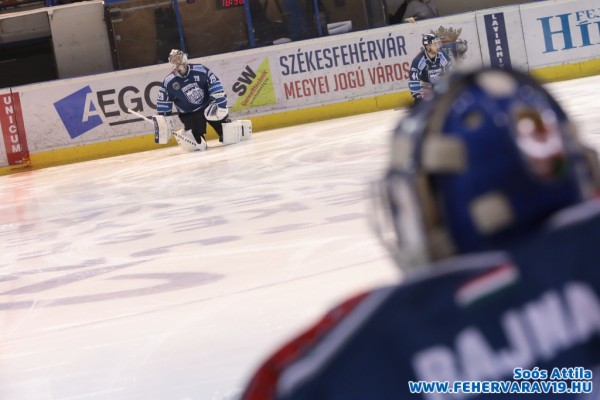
(148, 120)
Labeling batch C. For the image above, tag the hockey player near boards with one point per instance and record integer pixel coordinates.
(199, 97)
(427, 68)
(489, 205)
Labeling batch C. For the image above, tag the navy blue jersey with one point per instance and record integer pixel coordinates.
(470, 318)
(425, 69)
(192, 92)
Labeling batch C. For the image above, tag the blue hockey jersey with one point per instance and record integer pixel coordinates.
(425, 69)
(473, 319)
(192, 92)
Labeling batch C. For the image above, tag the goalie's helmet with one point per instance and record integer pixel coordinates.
(430, 38)
(480, 167)
(178, 60)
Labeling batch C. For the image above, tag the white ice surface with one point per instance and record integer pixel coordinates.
(167, 275)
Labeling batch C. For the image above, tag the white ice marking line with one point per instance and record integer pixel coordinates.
(94, 395)
(23, 319)
(144, 353)
(46, 366)
(94, 322)
(134, 340)
(10, 356)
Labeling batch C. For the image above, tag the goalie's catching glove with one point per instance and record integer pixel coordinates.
(215, 113)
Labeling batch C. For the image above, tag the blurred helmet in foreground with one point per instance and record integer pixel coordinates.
(480, 167)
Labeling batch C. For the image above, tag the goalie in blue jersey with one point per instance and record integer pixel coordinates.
(198, 97)
(490, 206)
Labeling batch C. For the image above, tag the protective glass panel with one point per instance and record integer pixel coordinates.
(144, 31)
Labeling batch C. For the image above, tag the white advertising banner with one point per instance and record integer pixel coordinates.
(88, 110)
(339, 68)
(562, 31)
(93, 109)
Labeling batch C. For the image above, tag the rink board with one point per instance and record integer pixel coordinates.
(84, 118)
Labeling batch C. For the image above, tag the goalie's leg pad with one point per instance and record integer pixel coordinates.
(163, 127)
(186, 141)
(234, 131)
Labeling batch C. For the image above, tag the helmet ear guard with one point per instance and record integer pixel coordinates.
(479, 167)
(593, 165)
(407, 219)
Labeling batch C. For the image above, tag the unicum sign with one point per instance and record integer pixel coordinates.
(12, 129)
(571, 30)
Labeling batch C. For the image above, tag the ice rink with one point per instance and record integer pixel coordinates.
(167, 275)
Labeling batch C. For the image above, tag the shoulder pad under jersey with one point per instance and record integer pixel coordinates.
(198, 67)
(168, 79)
(443, 58)
(422, 63)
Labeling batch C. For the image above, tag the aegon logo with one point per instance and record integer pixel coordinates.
(83, 111)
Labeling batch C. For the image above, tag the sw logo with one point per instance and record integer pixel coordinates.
(78, 113)
(254, 87)
(246, 78)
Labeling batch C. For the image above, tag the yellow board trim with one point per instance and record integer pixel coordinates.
(567, 71)
(330, 111)
(83, 153)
